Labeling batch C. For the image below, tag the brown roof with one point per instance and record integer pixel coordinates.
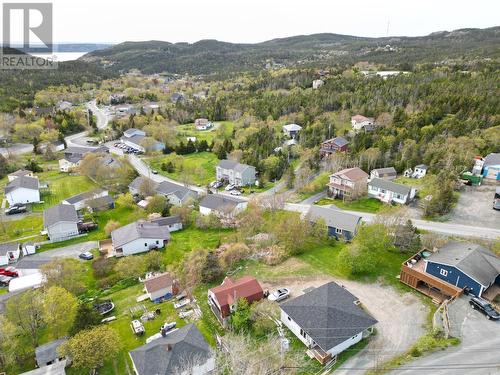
(158, 282)
(361, 118)
(353, 174)
(246, 287)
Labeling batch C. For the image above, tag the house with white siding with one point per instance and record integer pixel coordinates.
(160, 287)
(328, 320)
(223, 206)
(61, 222)
(235, 173)
(9, 252)
(139, 237)
(23, 189)
(390, 192)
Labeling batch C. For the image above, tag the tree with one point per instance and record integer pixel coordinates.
(125, 200)
(147, 187)
(66, 273)
(9, 342)
(133, 266)
(211, 270)
(406, 238)
(153, 260)
(25, 311)
(59, 310)
(86, 317)
(158, 204)
(90, 348)
(110, 226)
(240, 319)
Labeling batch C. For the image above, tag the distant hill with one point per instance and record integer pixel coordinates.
(208, 56)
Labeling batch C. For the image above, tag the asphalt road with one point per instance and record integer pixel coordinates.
(102, 122)
(477, 354)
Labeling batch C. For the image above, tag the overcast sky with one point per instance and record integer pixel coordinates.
(258, 20)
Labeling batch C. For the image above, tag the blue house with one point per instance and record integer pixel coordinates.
(465, 264)
(340, 224)
(491, 167)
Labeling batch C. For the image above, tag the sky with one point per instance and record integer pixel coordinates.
(250, 21)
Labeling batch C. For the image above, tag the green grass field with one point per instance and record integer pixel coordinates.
(197, 168)
(364, 204)
(222, 129)
(25, 227)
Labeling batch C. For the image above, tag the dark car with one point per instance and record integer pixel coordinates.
(86, 256)
(16, 209)
(484, 307)
(5, 280)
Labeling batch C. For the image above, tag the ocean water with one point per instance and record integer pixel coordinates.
(63, 56)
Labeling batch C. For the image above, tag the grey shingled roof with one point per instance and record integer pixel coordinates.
(25, 182)
(131, 131)
(137, 182)
(335, 218)
(472, 259)
(172, 353)
(220, 202)
(340, 141)
(391, 186)
(20, 172)
(328, 314)
(292, 127)
(83, 196)
(231, 164)
(6, 247)
(139, 229)
(135, 139)
(169, 220)
(384, 172)
(61, 212)
(492, 159)
(48, 352)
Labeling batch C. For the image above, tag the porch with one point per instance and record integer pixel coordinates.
(320, 355)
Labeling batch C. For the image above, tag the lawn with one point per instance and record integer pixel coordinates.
(364, 204)
(425, 186)
(317, 185)
(222, 129)
(197, 168)
(25, 227)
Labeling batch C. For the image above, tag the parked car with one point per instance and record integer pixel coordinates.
(137, 327)
(496, 200)
(235, 192)
(154, 171)
(229, 187)
(16, 209)
(484, 307)
(86, 256)
(279, 295)
(9, 271)
(167, 327)
(5, 280)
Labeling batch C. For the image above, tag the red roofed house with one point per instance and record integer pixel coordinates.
(331, 146)
(223, 298)
(348, 183)
(360, 122)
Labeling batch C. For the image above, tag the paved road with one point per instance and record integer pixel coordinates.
(314, 198)
(449, 229)
(477, 354)
(16, 149)
(102, 122)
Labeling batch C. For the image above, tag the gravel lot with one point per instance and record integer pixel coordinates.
(401, 318)
(474, 207)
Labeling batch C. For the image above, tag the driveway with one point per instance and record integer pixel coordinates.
(401, 317)
(16, 149)
(477, 354)
(475, 206)
(71, 251)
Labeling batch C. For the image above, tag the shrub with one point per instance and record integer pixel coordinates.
(103, 267)
(110, 226)
(232, 254)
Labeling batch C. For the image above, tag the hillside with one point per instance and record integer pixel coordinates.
(208, 56)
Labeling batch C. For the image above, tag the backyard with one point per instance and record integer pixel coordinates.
(221, 130)
(364, 204)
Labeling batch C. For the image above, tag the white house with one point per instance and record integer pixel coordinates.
(317, 83)
(388, 191)
(19, 173)
(139, 237)
(133, 138)
(28, 248)
(420, 171)
(22, 189)
(174, 223)
(222, 205)
(360, 122)
(235, 173)
(292, 130)
(61, 222)
(9, 252)
(81, 200)
(203, 124)
(160, 286)
(388, 173)
(327, 319)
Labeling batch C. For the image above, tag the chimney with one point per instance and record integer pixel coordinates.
(168, 347)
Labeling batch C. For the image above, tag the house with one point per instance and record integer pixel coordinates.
(183, 351)
(388, 173)
(203, 124)
(22, 189)
(57, 368)
(19, 173)
(47, 354)
(61, 222)
(174, 223)
(235, 173)
(491, 167)
(457, 265)
(54, 146)
(28, 248)
(360, 122)
(222, 205)
(139, 237)
(101, 204)
(223, 298)
(340, 224)
(63, 105)
(348, 183)
(134, 138)
(317, 83)
(420, 171)
(9, 252)
(291, 130)
(177, 195)
(331, 146)
(160, 287)
(80, 201)
(328, 320)
(390, 192)
(177, 97)
(74, 155)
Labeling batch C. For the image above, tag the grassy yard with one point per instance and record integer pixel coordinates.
(197, 168)
(222, 129)
(364, 204)
(425, 186)
(25, 227)
(317, 185)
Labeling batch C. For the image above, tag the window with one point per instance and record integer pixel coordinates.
(157, 242)
(145, 244)
(290, 319)
(443, 272)
(337, 230)
(302, 333)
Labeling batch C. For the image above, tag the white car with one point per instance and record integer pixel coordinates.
(229, 187)
(279, 295)
(137, 327)
(235, 192)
